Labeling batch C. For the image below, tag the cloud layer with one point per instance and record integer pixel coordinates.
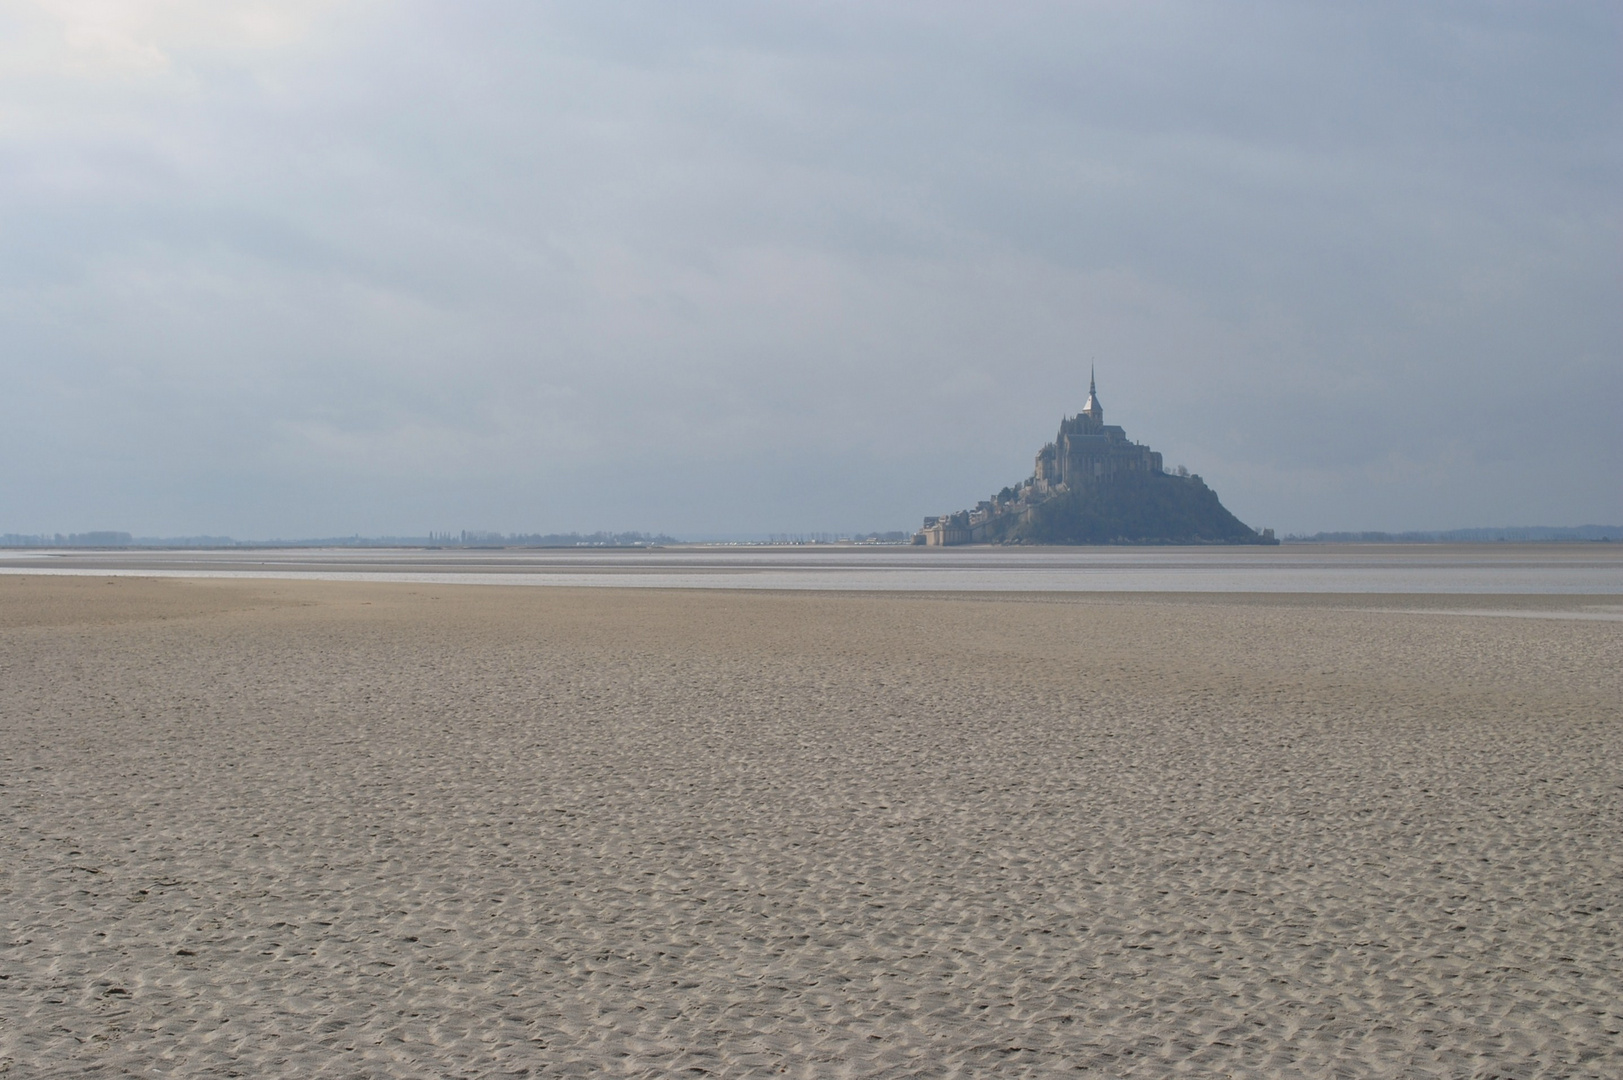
(321, 268)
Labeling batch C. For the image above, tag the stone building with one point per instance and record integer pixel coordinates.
(1086, 449)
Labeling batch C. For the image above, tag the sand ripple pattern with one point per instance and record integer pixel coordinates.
(308, 829)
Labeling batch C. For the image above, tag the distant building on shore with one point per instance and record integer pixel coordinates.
(1087, 455)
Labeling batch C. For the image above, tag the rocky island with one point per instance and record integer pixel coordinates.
(1093, 485)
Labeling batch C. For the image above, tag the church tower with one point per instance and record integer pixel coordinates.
(1093, 410)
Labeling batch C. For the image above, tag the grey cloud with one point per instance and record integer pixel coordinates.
(739, 267)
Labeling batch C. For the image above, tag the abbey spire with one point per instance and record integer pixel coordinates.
(1093, 408)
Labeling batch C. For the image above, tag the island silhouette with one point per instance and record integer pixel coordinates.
(1094, 485)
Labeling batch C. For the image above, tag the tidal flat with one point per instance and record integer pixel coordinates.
(334, 828)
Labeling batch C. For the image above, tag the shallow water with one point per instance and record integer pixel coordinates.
(1546, 569)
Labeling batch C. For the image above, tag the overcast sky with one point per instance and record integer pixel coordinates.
(319, 268)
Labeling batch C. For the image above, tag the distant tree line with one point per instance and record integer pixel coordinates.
(1511, 535)
(474, 538)
(466, 538)
(88, 539)
(892, 537)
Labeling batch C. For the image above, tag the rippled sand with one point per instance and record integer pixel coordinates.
(300, 828)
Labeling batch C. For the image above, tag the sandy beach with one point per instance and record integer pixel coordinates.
(294, 828)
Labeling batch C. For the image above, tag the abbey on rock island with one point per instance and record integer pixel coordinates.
(1094, 485)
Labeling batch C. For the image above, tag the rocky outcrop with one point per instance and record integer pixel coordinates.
(1094, 485)
(1133, 508)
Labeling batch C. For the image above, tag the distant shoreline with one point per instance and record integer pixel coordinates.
(1606, 534)
(1505, 568)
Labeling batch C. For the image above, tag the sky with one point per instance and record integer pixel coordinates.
(317, 267)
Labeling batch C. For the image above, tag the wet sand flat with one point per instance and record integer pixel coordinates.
(357, 829)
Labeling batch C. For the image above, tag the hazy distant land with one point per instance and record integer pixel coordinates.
(486, 538)
(465, 538)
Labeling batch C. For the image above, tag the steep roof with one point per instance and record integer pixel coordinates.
(1093, 408)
